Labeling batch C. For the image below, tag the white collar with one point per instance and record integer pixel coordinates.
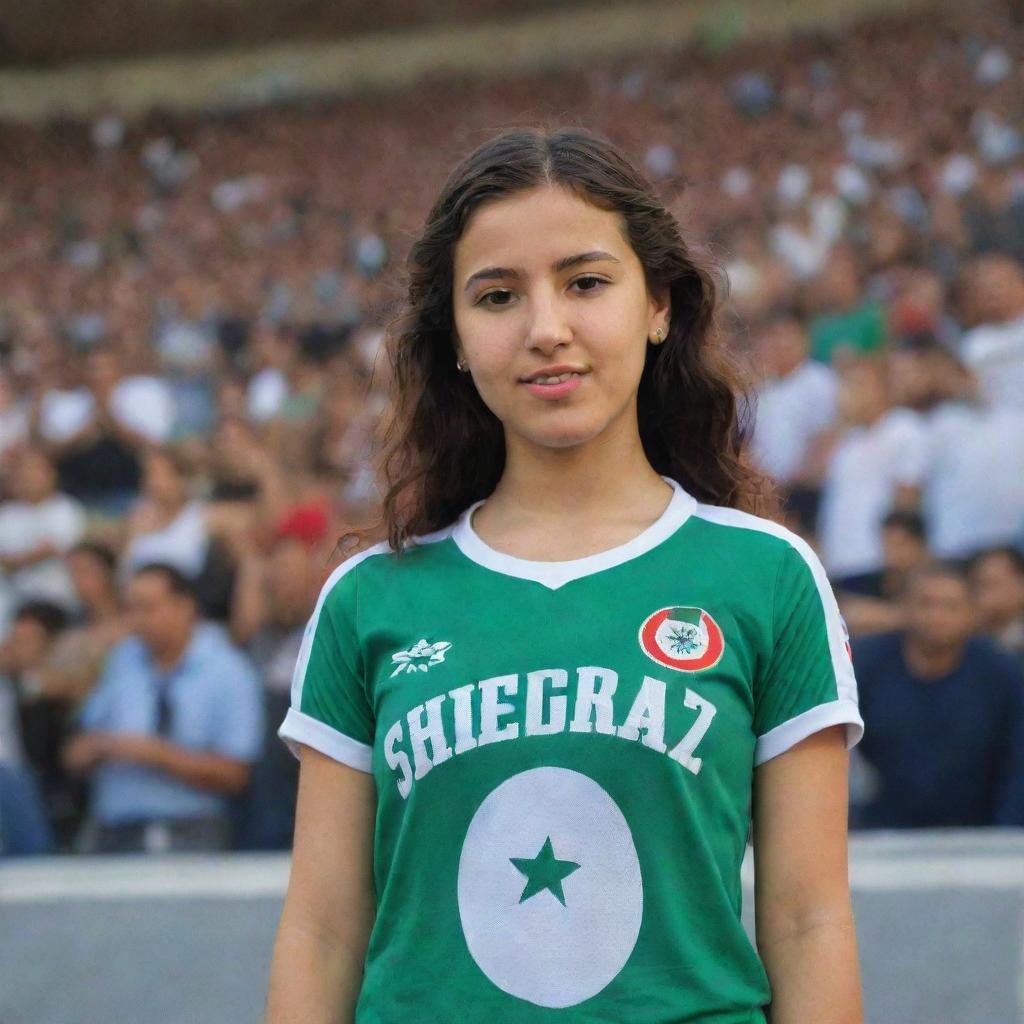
(555, 574)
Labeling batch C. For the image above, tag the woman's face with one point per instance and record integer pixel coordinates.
(546, 284)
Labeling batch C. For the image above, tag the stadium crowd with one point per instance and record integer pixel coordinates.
(190, 321)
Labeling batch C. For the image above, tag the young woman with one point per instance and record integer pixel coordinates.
(532, 741)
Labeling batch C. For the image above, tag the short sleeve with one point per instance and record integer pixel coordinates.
(330, 709)
(807, 683)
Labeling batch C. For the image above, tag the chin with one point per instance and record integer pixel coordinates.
(567, 437)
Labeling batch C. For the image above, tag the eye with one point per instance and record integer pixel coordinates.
(504, 297)
(589, 283)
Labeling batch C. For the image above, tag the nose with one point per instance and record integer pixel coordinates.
(549, 328)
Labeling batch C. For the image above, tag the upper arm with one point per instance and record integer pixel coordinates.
(800, 834)
(331, 887)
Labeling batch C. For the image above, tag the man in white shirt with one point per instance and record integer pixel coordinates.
(796, 402)
(994, 350)
(972, 493)
(877, 464)
(37, 528)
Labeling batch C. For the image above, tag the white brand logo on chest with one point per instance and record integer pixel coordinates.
(419, 657)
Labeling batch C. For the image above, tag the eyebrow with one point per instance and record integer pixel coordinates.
(491, 273)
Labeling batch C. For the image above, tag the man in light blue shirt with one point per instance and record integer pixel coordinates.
(172, 728)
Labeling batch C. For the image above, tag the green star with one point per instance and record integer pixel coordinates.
(544, 871)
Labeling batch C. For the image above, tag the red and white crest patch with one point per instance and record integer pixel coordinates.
(682, 637)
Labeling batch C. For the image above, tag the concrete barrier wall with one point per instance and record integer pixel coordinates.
(186, 940)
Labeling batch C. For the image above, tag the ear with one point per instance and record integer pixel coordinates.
(659, 308)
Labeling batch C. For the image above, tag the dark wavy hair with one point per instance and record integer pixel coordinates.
(443, 449)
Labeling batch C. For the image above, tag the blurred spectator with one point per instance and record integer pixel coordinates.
(248, 477)
(919, 310)
(879, 607)
(845, 321)
(166, 525)
(37, 526)
(40, 726)
(14, 419)
(270, 355)
(273, 599)
(997, 579)
(913, 374)
(171, 730)
(803, 240)
(77, 658)
(993, 211)
(100, 430)
(944, 716)
(200, 538)
(796, 402)
(994, 349)
(876, 465)
(973, 490)
(24, 826)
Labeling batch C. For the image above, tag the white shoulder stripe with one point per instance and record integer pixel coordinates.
(846, 683)
(381, 548)
(299, 674)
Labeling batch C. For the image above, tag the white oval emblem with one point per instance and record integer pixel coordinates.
(550, 892)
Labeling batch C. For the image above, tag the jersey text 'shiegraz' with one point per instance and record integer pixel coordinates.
(563, 754)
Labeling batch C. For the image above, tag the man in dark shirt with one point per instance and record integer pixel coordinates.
(944, 716)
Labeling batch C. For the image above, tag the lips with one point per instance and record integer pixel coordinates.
(561, 385)
(554, 374)
(559, 379)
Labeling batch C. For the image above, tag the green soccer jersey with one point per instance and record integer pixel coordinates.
(563, 754)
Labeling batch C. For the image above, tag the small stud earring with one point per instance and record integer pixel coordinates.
(461, 365)
(659, 336)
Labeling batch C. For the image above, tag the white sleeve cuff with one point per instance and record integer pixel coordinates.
(839, 712)
(299, 728)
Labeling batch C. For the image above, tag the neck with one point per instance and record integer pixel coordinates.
(608, 477)
(928, 662)
(168, 654)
